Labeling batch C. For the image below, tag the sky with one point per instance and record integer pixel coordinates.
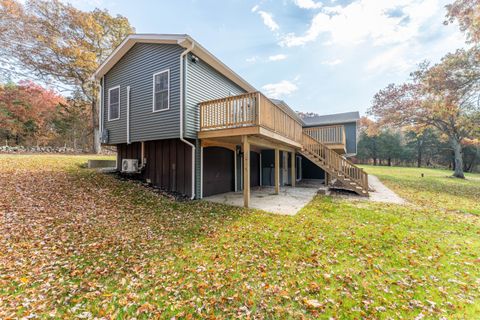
(325, 57)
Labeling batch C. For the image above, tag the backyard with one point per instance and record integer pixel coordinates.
(77, 243)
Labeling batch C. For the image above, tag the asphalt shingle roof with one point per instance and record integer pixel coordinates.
(332, 118)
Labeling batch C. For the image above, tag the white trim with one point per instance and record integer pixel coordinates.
(184, 41)
(168, 90)
(235, 168)
(183, 85)
(128, 115)
(102, 106)
(116, 87)
(299, 167)
(201, 172)
(260, 167)
(241, 172)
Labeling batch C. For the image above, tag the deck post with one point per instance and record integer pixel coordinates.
(246, 171)
(277, 171)
(292, 169)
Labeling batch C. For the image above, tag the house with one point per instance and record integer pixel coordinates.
(198, 128)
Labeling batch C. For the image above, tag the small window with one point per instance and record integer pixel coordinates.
(114, 103)
(161, 91)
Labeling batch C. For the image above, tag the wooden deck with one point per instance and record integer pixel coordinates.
(252, 120)
(249, 114)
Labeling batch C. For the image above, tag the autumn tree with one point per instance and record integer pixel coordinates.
(467, 14)
(442, 96)
(26, 110)
(61, 45)
(71, 124)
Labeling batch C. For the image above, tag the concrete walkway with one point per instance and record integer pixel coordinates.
(291, 200)
(288, 202)
(382, 193)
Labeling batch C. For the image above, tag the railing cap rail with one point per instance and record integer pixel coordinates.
(319, 126)
(229, 97)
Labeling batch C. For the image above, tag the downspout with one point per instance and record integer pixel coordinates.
(182, 85)
(102, 106)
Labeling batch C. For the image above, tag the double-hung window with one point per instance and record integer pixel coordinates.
(114, 103)
(161, 91)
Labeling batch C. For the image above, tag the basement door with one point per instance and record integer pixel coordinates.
(217, 171)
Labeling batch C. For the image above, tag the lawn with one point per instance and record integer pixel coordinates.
(435, 189)
(76, 243)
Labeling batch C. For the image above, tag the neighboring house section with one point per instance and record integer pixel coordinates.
(185, 122)
(339, 130)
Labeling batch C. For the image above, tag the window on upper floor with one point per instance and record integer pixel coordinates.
(114, 103)
(161, 91)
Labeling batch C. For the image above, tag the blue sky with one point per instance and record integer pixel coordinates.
(319, 56)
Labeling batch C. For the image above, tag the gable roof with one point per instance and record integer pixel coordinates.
(183, 40)
(336, 118)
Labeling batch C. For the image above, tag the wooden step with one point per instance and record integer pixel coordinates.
(345, 180)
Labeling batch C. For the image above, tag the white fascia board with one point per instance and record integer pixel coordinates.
(180, 39)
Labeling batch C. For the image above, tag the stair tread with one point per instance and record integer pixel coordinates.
(344, 177)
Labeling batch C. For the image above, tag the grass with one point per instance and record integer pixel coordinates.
(437, 188)
(75, 243)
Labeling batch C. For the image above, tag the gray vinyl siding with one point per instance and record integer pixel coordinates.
(351, 137)
(136, 69)
(203, 83)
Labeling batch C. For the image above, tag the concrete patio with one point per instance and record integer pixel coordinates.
(288, 202)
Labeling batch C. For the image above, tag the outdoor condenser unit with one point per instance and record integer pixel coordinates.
(130, 165)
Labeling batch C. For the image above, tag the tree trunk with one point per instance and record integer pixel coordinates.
(96, 132)
(458, 158)
(389, 162)
(374, 161)
(419, 158)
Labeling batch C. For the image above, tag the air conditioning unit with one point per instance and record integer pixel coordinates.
(130, 166)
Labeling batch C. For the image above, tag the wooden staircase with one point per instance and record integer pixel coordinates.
(340, 169)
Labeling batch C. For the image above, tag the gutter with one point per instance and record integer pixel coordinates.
(182, 93)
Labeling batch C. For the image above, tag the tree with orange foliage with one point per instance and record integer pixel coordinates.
(59, 44)
(26, 110)
(467, 13)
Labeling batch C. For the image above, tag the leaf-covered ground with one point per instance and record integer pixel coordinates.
(75, 243)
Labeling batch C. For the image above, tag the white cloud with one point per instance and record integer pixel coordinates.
(379, 21)
(252, 59)
(308, 4)
(255, 8)
(393, 60)
(268, 20)
(332, 63)
(403, 58)
(280, 89)
(277, 57)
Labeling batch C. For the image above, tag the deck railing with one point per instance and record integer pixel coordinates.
(327, 134)
(249, 109)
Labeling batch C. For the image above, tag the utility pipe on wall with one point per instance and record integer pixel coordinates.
(128, 116)
(184, 53)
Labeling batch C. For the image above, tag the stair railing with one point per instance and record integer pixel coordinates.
(335, 162)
